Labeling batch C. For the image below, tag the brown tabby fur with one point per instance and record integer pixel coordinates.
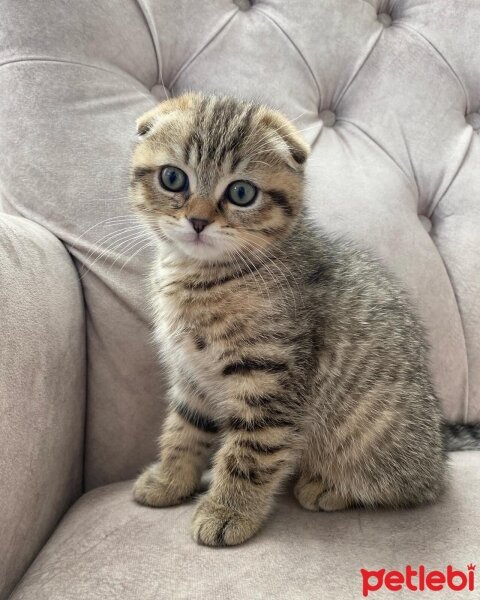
(288, 351)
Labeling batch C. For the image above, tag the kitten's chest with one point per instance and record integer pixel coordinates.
(198, 329)
(185, 351)
(188, 350)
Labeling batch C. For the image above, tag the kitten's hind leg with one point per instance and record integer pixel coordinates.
(313, 493)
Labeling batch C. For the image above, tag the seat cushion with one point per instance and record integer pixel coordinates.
(107, 547)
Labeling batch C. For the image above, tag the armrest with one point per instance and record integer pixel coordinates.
(42, 391)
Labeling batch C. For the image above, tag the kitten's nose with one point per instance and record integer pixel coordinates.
(198, 224)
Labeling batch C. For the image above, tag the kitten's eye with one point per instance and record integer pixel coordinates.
(173, 179)
(241, 193)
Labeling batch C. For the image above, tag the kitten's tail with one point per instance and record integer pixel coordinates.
(461, 436)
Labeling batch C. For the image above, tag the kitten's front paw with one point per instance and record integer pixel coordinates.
(151, 489)
(217, 525)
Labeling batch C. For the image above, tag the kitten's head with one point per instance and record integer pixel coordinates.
(215, 177)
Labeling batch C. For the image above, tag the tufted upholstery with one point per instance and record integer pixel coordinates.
(386, 91)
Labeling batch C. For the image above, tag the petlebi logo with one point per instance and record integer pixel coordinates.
(418, 579)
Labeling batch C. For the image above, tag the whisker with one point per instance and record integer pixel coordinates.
(110, 221)
(316, 126)
(106, 241)
(289, 287)
(277, 258)
(110, 248)
(266, 138)
(130, 245)
(135, 254)
(117, 233)
(299, 116)
(253, 273)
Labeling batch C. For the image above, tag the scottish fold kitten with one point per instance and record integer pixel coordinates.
(288, 352)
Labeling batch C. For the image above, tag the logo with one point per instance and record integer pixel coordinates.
(418, 580)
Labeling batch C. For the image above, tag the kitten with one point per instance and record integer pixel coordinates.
(288, 351)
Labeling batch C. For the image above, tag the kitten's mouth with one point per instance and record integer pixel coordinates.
(195, 239)
(200, 245)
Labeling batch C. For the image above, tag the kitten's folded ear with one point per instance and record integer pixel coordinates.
(146, 122)
(298, 149)
(149, 121)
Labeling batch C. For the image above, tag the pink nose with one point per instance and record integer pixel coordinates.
(198, 224)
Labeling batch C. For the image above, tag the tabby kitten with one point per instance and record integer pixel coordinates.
(288, 352)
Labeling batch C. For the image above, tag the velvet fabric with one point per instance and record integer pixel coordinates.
(108, 548)
(42, 391)
(387, 92)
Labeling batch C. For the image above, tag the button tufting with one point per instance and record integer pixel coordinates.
(385, 19)
(328, 118)
(473, 119)
(243, 4)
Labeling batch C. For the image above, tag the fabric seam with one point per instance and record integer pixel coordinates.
(355, 75)
(435, 205)
(439, 54)
(378, 145)
(153, 35)
(202, 48)
(141, 87)
(292, 43)
(466, 400)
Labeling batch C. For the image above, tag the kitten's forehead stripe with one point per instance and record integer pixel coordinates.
(219, 131)
(235, 145)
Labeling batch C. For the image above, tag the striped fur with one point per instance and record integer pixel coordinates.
(289, 352)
